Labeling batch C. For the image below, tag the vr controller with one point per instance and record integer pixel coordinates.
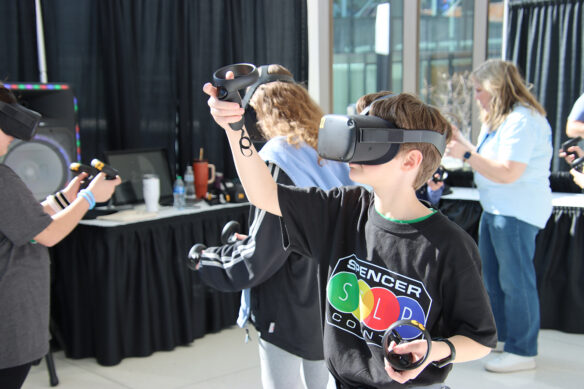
(578, 164)
(569, 143)
(228, 90)
(110, 172)
(18, 121)
(93, 171)
(402, 362)
(250, 77)
(78, 168)
(227, 237)
(440, 175)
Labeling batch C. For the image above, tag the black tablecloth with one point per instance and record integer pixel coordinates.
(558, 260)
(126, 291)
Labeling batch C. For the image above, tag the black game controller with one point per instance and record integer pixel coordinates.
(227, 237)
(569, 143)
(402, 362)
(229, 230)
(441, 173)
(578, 164)
(194, 256)
(228, 90)
(110, 172)
(78, 168)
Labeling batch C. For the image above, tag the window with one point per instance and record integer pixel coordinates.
(446, 41)
(495, 37)
(367, 53)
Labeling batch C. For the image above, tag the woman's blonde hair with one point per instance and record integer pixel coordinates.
(408, 112)
(502, 80)
(286, 109)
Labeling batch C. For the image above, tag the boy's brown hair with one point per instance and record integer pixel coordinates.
(408, 112)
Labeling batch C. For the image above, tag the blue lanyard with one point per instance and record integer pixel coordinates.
(484, 140)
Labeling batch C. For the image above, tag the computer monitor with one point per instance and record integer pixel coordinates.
(132, 165)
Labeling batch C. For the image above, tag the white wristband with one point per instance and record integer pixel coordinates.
(53, 203)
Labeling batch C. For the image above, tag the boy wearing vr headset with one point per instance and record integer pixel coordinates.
(383, 255)
(27, 228)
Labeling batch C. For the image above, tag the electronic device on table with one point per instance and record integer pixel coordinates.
(132, 165)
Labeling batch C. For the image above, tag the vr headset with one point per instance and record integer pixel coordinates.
(368, 140)
(249, 117)
(18, 121)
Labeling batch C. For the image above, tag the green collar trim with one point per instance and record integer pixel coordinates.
(412, 221)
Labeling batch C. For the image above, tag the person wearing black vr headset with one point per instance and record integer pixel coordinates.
(27, 228)
(283, 300)
(382, 254)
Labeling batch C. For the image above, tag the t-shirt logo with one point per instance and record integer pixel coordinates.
(365, 299)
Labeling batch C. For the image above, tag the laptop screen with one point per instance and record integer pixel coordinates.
(132, 165)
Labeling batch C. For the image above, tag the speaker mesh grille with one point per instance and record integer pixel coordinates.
(41, 163)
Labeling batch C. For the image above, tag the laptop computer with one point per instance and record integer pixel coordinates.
(132, 165)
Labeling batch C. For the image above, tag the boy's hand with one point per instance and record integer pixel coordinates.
(418, 349)
(224, 112)
(578, 177)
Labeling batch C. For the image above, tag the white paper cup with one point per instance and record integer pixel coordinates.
(151, 190)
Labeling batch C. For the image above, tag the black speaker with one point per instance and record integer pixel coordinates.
(43, 163)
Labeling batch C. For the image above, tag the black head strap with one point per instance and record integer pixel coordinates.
(409, 136)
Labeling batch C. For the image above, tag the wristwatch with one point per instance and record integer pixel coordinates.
(443, 362)
(466, 155)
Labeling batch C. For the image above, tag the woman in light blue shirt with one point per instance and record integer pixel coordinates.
(511, 164)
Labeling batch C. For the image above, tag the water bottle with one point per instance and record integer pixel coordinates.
(179, 193)
(189, 184)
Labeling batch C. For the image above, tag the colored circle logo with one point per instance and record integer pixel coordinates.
(375, 307)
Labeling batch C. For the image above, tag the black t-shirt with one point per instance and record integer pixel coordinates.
(374, 271)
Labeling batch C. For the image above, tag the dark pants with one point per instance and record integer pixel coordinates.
(13, 377)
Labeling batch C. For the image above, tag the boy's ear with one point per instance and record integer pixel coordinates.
(412, 159)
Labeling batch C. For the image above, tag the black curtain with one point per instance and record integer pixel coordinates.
(217, 33)
(546, 40)
(18, 61)
(137, 67)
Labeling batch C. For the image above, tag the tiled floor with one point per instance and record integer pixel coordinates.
(224, 361)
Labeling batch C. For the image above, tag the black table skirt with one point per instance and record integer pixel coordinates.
(126, 291)
(558, 260)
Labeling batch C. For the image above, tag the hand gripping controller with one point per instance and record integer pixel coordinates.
(228, 90)
(402, 362)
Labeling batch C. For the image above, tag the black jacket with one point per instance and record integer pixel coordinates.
(284, 292)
